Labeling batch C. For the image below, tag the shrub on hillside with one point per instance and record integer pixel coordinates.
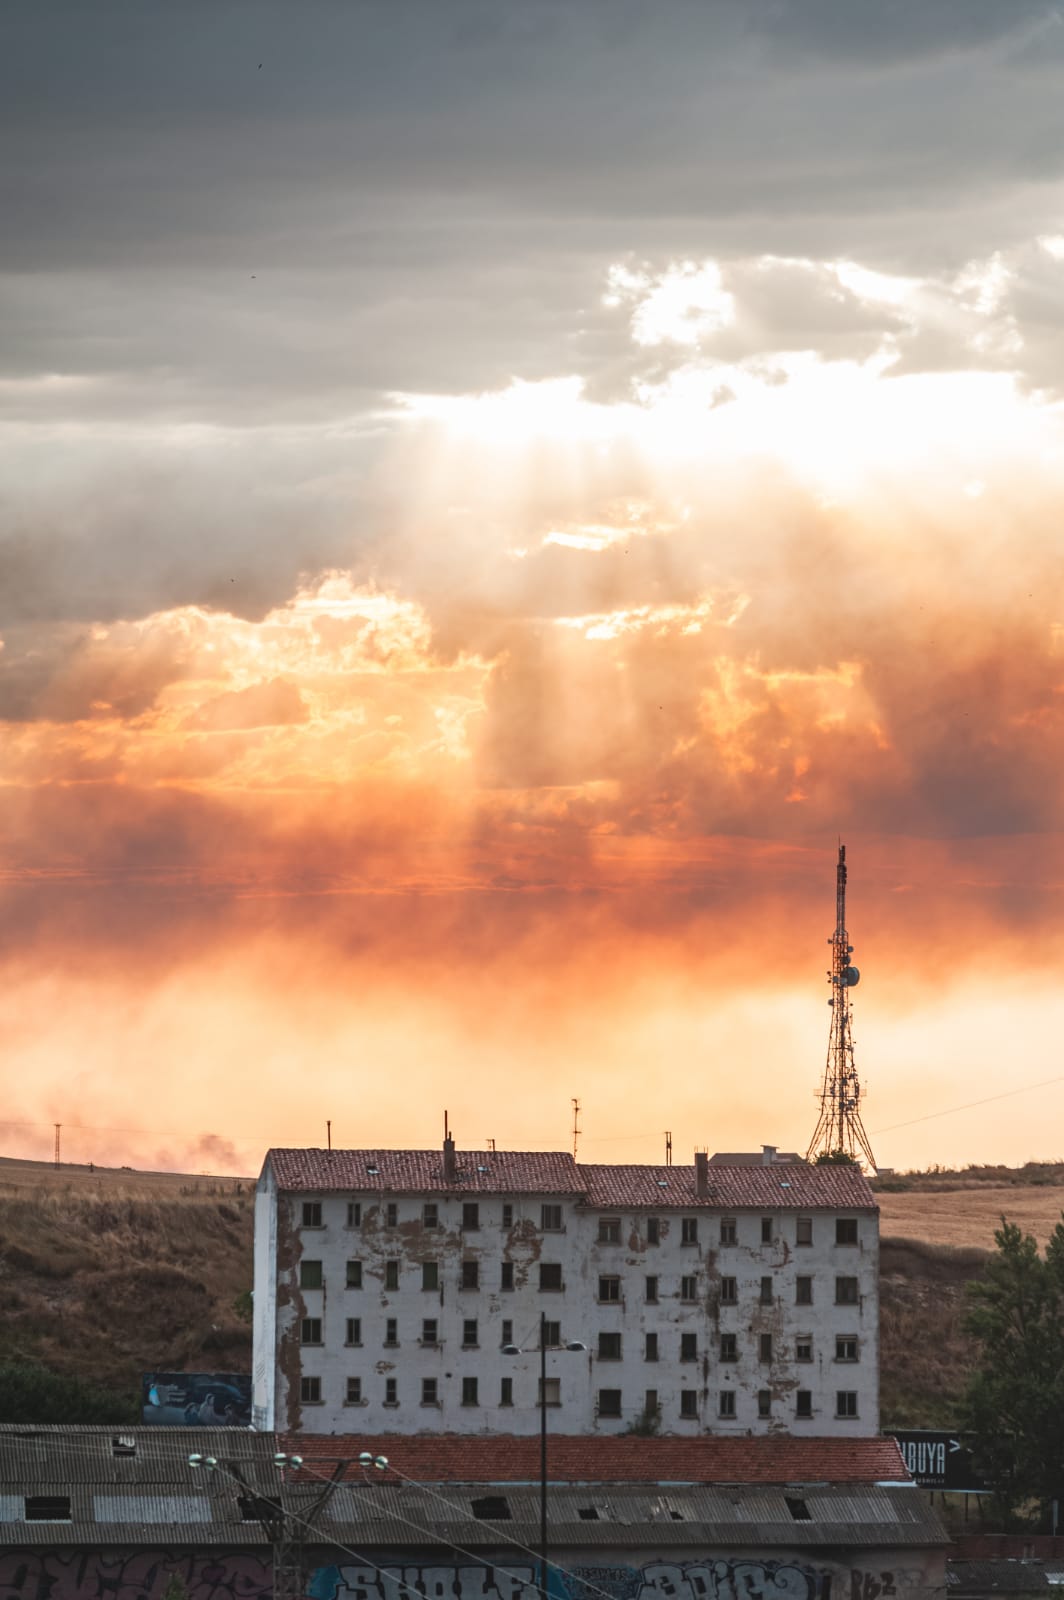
(32, 1393)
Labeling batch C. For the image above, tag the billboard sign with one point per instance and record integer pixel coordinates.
(196, 1399)
(938, 1459)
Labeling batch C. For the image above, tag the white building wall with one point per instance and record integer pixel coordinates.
(264, 1303)
(578, 1311)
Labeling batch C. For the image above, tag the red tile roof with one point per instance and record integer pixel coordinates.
(458, 1458)
(782, 1187)
(792, 1188)
(421, 1171)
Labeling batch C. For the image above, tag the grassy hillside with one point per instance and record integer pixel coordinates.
(106, 1274)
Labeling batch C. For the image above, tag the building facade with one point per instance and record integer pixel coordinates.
(405, 1292)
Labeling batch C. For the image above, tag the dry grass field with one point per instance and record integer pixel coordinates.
(966, 1218)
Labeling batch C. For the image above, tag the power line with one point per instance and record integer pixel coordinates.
(1006, 1094)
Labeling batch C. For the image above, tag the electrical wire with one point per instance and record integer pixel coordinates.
(1006, 1094)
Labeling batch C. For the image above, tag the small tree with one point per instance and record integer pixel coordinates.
(1014, 1405)
(835, 1158)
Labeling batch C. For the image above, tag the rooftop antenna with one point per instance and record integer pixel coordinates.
(576, 1125)
(668, 1149)
(839, 1127)
(328, 1133)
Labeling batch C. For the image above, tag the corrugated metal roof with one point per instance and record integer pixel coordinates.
(159, 1508)
(781, 1187)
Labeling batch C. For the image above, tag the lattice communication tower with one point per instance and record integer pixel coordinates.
(839, 1128)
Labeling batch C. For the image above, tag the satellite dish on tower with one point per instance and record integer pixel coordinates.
(851, 977)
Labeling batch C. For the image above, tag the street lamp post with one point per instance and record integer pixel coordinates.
(515, 1350)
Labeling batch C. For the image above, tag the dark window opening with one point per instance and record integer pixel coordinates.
(492, 1508)
(312, 1213)
(48, 1508)
(798, 1509)
(587, 1513)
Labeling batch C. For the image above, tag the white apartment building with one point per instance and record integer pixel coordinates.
(404, 1291)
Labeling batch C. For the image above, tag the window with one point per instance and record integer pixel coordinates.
(729, 1348)
(430, 1331)
(688, 1288)
(803, 1403)
(391, 1274)
(650, 1351)
(507, 1332)
(609, 1402)
(492, 1508)
(552, 1335)
(652, 1290)
(845, 1348)
(354, 1275)
(312, 1213)
(726, 1403)
(845, 1230)
(470, 1274)
(470, 1214)
(609, 1289)
(508, 1216)
(310, 1391)
(764, 1402)
(549, 1393)
(798, 1509)
(846, 1291)
(391, 1391)
(550, 1219)
(728, 1231)
(354, 1331)
(391, 1214)
(846, 1403)
(609, 1347)
(310, 1274)
(650, 1405)
(353, 1396)
(469, 1332)
(310, 1330)
(689, 1230)
(354, 1213)
(430, 1214)
(506, 1392)
(766, 1347)
(506, 1280)
(804, 1230)
(688, 1403)
(803, 1347)
(803, 1291)
(766, 1230)
(653, 1230)
(688, 1347)
(766, 1291)
(391, 1331)
(729, 1294)
(429, 1392)
(47, 1508)
(430, 1274)
(550, 1276)
(609, 1230)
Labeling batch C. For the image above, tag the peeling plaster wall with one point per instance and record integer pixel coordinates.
(580, 1314)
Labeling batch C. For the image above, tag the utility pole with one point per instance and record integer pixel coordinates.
(58, 1131)
(839, 1127)
(543, 1454)
(286, 1531)
(576, 1125)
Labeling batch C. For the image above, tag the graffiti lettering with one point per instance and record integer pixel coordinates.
(104, 1575)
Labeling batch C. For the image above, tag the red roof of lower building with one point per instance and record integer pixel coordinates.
(503, 1458)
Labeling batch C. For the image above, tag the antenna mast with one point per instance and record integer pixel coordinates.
(839, 1127)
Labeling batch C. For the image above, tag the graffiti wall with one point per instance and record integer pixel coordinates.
(196, 1399)
(147, 1575)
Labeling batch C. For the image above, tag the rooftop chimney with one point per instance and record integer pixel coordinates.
(701, 1172)
(768, 1154)
(450, 1166)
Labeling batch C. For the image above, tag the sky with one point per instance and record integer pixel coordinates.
(490, 495)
